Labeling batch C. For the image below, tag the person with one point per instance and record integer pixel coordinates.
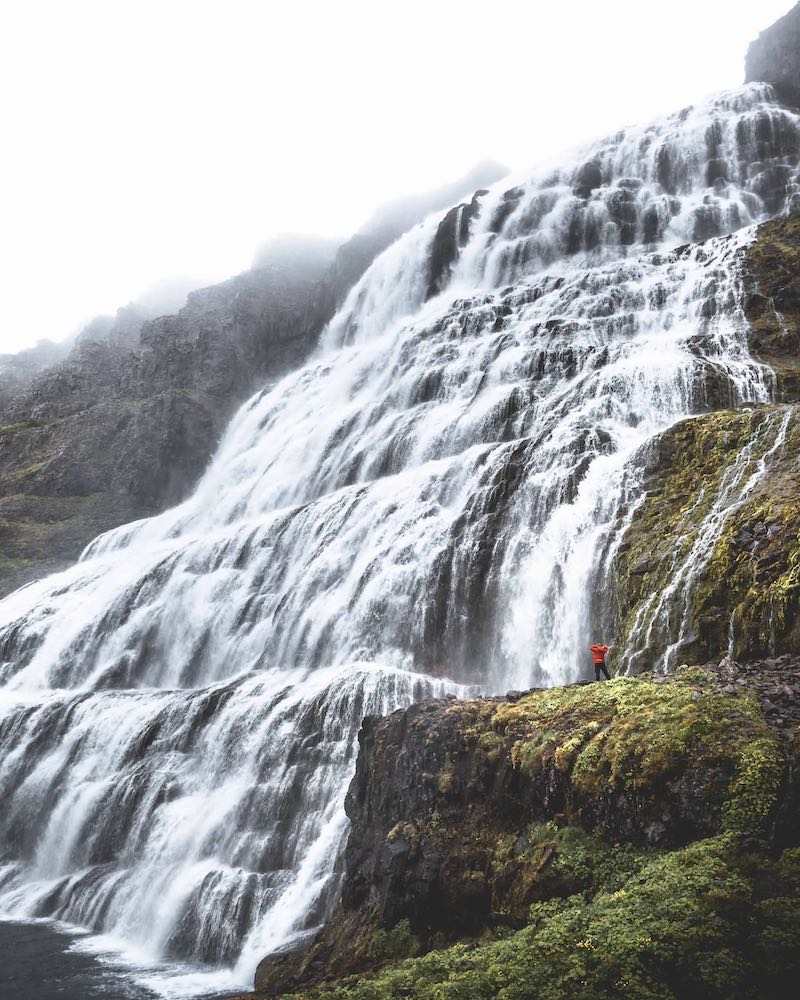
(599, 656)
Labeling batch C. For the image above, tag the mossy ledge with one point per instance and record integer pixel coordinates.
(734, 582)
(771, 272)
(636, 837)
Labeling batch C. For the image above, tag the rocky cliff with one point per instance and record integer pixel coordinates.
(772, 58)
(114, 433)
(638, 837)
(125, 424)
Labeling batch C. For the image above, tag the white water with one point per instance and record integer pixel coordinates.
(437, 492)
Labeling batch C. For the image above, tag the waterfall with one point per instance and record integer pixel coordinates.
(432, 501)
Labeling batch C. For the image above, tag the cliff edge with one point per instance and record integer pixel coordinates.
(637, 836)
(774, 58)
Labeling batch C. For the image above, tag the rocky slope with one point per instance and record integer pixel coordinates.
(112, 434)
(124, 426)
(18, 370)
(636, 836)
(772, 58)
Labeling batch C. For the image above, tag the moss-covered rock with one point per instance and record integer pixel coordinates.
(712, 554)
(696, 922)
(772, 301)
(633, 836)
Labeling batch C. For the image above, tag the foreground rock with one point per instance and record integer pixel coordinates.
(636, 836)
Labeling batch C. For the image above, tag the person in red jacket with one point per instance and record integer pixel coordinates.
(599, 656)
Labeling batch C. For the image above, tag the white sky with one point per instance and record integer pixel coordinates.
(150, 140)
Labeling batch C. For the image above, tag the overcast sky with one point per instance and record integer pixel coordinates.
(153, 140)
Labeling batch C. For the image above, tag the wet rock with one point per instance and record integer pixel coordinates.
(451, 236)
(464, 813)
(774, 57)
(741, 587)
(588, 179)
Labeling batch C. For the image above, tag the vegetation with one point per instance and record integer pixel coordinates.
(689, 923)
(632, 735)
(634, 860)
(749, 580)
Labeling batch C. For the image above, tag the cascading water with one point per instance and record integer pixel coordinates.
(437, 494)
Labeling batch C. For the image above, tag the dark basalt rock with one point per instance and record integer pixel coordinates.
(588, 179)
(465, 813)
(774, 57)
(451, 236)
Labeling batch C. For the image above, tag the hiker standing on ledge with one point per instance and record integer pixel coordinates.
(599, 656)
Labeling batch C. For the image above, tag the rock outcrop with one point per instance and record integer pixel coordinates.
(714, 545)
(703, 480)
(18, 370)
(774, 57)
(646, 817)
(772, 301)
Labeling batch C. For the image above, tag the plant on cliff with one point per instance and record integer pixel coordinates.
(716, 542)
(690, 923)
(636, 735)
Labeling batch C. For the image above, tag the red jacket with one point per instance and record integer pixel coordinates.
(599, 653)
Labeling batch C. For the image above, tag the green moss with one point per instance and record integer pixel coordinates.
(15, 428)
(691, 923)
(397, 942)
(633, 734)
(750, 575)
(754, 792)
(446, 779)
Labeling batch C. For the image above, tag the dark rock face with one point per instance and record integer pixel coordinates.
(466, 813)
(119, 431)
(774, 57)
(451, 236)
(772, 301)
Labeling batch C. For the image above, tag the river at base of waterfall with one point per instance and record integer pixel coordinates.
(40, 958)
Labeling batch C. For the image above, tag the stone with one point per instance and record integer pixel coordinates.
(588, 178)
(774, 57)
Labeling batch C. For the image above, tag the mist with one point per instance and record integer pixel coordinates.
(146, 141)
